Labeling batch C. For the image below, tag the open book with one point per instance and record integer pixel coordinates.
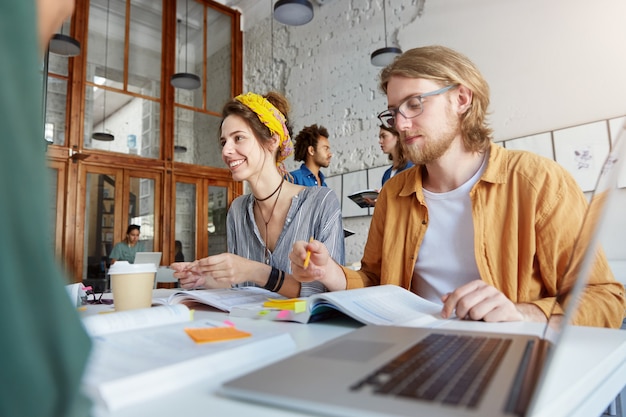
(221, 298)
(138, 355)
(361, 197)
(379, 305)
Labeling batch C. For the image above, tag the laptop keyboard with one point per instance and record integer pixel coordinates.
(444, 368)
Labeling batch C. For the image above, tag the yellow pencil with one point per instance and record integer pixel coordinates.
(308, 255)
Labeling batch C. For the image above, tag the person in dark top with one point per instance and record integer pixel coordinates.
(179, 256)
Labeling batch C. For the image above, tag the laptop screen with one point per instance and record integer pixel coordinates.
(153, 258)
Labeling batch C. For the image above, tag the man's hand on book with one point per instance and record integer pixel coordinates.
(478, 300)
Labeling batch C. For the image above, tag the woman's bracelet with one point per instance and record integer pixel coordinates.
(272, 281)
(280, 282)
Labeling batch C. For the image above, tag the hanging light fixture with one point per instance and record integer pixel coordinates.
(185, 80)
(104, 136)
(64, 45)
(293, 12)
(385, 56)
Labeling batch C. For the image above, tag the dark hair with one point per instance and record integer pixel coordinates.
(132, 227)
(446, 66)
(261, 132)
(401, 159)
(309, 136)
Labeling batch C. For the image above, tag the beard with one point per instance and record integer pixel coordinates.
(431, 146)
(324, 163)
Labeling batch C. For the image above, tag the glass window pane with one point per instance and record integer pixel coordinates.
(56, 106)
(107, 30)
(99, 224)
(141, 209)
(218, 207)
(189, 30)
(185, 228)
(198, 135)
(219, 55)
(133, 122)
(144, 56)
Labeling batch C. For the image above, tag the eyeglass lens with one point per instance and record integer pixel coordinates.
(410, 108)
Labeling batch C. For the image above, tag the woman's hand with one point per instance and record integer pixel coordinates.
(320, 266)
(188, 278)
(219, 271)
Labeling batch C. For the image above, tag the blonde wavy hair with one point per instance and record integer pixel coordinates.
(446, 66)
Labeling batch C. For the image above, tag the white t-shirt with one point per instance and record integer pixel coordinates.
(446, 257)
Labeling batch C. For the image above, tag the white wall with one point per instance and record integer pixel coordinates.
(551, 64)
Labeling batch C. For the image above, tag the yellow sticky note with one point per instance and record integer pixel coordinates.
(297, 305)
(215, 334)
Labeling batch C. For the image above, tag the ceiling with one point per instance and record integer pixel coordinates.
(254, 11)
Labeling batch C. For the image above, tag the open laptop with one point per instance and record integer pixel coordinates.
(148, 258)
(358, 374)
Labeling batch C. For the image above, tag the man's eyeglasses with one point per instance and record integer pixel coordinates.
(409, 108)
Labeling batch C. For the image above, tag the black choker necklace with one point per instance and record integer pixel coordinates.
(267, 222)
(273, 192)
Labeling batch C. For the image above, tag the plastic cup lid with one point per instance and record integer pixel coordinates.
(124, 267)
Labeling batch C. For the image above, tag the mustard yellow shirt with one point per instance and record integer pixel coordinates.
(527, 211)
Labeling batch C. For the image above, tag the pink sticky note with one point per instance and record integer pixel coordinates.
(283, 314)
(229, 323)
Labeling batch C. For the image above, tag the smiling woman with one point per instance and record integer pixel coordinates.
(262, 226)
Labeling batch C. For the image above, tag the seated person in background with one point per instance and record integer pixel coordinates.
(485, 231)
(179, 256)
(128, 248)
(389, 141)
(262, 226)
(44, 347)
(313, 149)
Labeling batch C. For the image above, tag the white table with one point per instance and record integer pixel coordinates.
(593, 371)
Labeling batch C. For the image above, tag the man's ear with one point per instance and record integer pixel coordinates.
(463, 98)
(311, 150)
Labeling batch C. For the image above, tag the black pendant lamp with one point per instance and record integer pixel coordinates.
(104, 136)
(293, 12)
(185, 80)
(385, 56)
(63, 45)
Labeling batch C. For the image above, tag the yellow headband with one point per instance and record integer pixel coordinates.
(271, 117)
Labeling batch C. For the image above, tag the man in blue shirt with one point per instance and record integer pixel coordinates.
(313, 149)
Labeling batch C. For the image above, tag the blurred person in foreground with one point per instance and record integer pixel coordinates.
(44, 347)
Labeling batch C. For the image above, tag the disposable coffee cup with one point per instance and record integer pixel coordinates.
(132, 285)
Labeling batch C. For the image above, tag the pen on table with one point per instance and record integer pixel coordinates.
(308, 255)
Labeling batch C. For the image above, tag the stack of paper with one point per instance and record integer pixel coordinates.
(135, 365)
